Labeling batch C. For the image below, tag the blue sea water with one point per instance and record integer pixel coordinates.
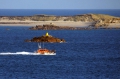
(57, 12)
(87, 54)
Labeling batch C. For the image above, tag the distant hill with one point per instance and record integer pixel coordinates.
(99, 20)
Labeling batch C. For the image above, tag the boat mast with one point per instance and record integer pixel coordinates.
(39, 45)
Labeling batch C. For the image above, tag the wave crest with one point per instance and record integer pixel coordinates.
(24, 53)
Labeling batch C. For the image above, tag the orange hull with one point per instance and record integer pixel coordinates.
(44, 51)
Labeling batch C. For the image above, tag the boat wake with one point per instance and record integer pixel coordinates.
(24, 53)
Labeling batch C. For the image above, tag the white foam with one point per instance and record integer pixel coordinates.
(24, 53)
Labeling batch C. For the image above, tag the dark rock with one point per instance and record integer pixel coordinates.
(52, 27)
(46, 38)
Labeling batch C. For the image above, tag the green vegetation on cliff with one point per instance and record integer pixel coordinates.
(84, 17)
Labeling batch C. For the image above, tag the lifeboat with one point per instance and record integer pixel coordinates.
(44, 51)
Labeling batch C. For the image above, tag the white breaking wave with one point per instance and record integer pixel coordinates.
(24, 53)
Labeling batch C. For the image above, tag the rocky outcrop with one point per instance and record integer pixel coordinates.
(100, 24)
(52, 27)
(104, 23)
(46, 38)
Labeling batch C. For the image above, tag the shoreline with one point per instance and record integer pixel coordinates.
(17, 23)
(34, 23)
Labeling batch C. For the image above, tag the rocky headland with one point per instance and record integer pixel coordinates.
(96, 20)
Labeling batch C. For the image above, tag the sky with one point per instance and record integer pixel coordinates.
(59, 4)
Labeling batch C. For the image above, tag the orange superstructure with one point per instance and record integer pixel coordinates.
(44, 51)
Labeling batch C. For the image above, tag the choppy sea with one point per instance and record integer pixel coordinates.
(87, 54)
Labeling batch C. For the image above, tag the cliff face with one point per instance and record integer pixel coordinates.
(99, 20)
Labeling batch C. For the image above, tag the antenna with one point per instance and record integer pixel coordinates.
(39, 45)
